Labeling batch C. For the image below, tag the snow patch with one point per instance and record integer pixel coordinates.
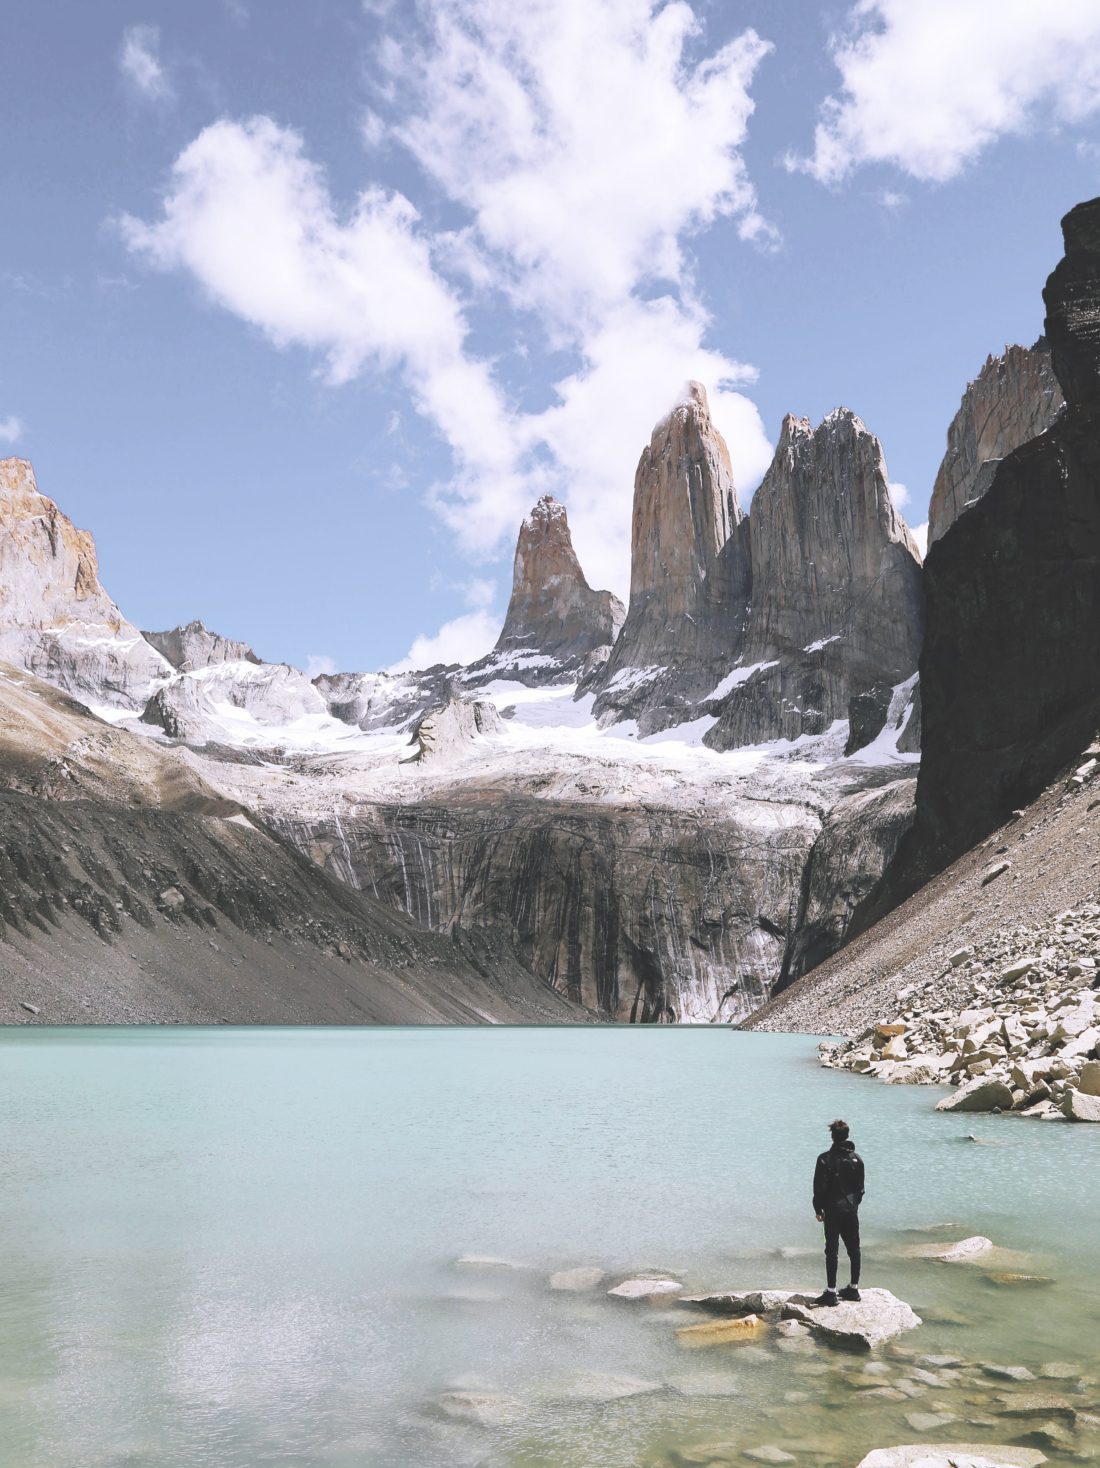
(821, 642)
(735, 678)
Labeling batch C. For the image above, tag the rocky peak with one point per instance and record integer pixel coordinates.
(56, 620)
(192, 647)
(553, 612)
(685, 509)
(1013, 399)
(836, 586)
(1072, 298)
(824, 530)
(690, 575)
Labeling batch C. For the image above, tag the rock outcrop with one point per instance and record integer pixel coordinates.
(234, 702)
(1010, 672)
(1013, 399)
(192, 647)
(690, 574)
(56, 620)
(445, 731)
(554, 620)
(836, 589)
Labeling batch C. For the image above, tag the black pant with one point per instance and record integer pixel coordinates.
(841, 1223)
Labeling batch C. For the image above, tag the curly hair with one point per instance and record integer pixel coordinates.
(839, 1130)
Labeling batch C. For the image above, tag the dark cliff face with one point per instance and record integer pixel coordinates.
(1010, 672)
(553, 612)
(1013, 399)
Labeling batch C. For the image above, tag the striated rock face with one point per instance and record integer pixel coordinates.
(555, 619)
(858, 840)
(55, 618)
(1010, 673)
(192, 647)
(690, 574)
(1014, 398)
(634, 911)
(836, 588)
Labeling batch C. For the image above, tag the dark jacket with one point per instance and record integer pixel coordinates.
(838, 1179)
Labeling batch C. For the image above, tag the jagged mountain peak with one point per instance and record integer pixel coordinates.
(194, 646)
(555, 620)
(1013, 399)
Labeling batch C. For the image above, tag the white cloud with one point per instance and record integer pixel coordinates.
(140, 64)
(587, 143)
(251, 217)
(11, 429)
(463, 640)
(928, 86)
(582, 138)
(899, 493)
(318, 663)
(920, 535)
(479, 592)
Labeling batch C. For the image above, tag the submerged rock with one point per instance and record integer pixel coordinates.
(644, 1289)
(576, 1280)
(721, 1332)
(485, 1409)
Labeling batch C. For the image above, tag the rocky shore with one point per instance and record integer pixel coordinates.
(777, 1381)
(1012, 1023)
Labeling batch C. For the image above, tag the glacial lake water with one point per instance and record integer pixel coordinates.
(237, 1247)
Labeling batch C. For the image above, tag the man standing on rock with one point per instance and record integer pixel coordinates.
(838, 1192)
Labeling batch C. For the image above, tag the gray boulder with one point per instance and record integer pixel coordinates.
(984, 1093)
(861, 1325)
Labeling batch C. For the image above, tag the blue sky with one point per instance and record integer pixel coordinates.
(303, 305)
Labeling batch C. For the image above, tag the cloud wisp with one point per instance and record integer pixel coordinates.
(11, 429)
(140, 63)
(927, 87)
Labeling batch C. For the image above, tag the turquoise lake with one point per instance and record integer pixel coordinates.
(238, 1247)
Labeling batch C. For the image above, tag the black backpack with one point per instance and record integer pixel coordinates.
(845, 1185)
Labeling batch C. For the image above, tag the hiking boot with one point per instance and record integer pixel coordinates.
(827, 1297)
(850, 1292)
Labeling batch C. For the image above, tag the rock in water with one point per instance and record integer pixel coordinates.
(690, 575)
(836, 589)
(1013, 399)
(56, 620)
(192, 647)
(953, 1455)
(1009, 687)
(860, 1325)
(555, 619)
(984, 1093)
